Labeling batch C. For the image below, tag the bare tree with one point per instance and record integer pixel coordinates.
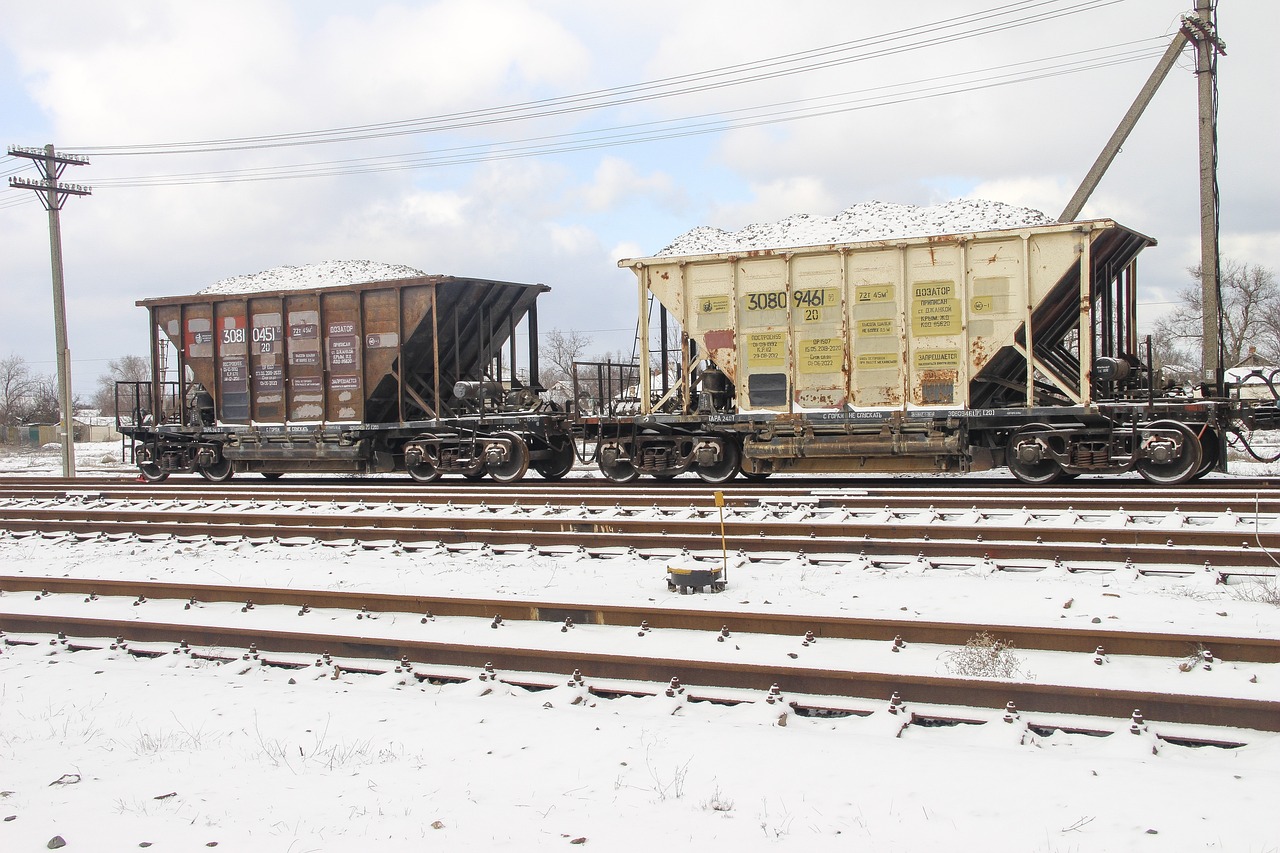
(1168, 351)
(557, 352)
(44, 406)
(128, 368)
(16, 384)
(1250, 314)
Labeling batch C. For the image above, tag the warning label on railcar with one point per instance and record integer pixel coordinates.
(877, 360)
(936, 359)
(306, 385)
(767, 349)
(934, 308)
(876, 328)
(821, 355)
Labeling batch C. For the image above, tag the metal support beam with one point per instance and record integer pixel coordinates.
(1112, 148)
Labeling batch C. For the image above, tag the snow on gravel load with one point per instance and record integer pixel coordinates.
(870, 220)
(321, 274)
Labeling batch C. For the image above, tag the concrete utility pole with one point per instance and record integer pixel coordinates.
(1201, 30)
(53, 195)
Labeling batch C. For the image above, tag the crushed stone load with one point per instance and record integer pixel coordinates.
(871, 220)
(322, 274)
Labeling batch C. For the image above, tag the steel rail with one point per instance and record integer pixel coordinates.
(1262, 715)
(1139, 545)
(595, 494)
(1071, 639)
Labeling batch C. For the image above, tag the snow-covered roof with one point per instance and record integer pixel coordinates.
(1251, 374)
(321, 274)
(871, 220)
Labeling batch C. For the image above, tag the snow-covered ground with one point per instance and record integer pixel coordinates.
(870, 220)
(109, 752)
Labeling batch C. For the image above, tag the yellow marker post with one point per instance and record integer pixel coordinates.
(724, 549)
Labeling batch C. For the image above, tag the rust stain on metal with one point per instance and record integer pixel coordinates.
(720, 339)
(820, 398)
(893, 398)
(937, 375)
(726, 360)
(978, 355)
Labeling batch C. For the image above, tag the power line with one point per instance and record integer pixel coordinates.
(997, 19)
(17, 201)
(631, 134)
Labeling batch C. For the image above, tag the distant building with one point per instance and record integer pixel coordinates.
(1252, 375)
(87, 427)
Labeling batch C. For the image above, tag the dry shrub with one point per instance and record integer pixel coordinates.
(1257, 591)
(984, 656)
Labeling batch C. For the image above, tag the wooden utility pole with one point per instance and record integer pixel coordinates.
(53, 194)
(1201, 30)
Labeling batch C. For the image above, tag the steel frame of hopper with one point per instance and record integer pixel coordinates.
(958, 352)
(407, 374)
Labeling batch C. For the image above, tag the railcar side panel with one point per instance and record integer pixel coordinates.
(904, 324)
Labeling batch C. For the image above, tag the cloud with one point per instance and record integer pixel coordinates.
(616, 182)
(775, 199)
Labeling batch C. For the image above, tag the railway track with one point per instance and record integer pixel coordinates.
(1237, 492)
(695, 647)
(1229, 530)
(1204, 533)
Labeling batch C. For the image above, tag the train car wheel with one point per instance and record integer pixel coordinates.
(147, 466)
(559, 463)
(1033, 472)
(619, 470)
(756, 476)
(151, 472)
(272, 475)
(1208, 454)
(728, 466)
(218, 472)
(423, 472)
(517, 462)
(1178, 470)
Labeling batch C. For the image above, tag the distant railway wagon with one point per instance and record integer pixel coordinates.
(956, 352)
(406, 374)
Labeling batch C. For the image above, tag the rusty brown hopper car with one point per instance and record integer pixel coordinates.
(343, 378)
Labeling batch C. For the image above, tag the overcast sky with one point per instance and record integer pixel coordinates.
(919, 103)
